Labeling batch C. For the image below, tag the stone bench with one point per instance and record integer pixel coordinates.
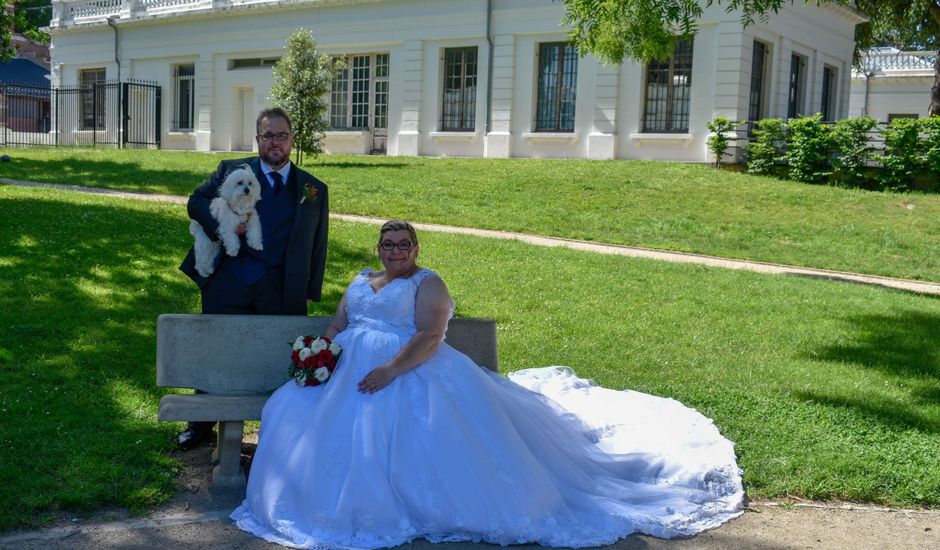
(238, 360)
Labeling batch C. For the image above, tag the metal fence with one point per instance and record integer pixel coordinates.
(109, 114)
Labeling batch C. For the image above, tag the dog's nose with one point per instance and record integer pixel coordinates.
(247, 190)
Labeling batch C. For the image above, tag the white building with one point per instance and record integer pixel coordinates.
(892, 84)
(492, 78)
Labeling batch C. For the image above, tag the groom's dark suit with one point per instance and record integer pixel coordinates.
(290, 279)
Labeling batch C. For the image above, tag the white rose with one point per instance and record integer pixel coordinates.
(321, 374)
(318, 345)
(299, 343)
(305, 353)
(334, 349)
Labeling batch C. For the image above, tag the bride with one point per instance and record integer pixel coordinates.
(411, 439)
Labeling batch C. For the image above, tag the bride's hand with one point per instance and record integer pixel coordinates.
(377, 379)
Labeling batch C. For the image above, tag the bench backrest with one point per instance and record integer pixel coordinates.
(250, 354)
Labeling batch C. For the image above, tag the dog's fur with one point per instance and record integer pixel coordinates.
(235, 205)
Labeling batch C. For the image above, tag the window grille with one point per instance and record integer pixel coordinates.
(359, 92)
(558, 78)
(338, 92)
(380, 116)
(669, 91)
(755, 109)
(797, 85)
(92, 105)
(184, 96)
(460, 90)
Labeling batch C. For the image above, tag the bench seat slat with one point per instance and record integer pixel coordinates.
(211, 408)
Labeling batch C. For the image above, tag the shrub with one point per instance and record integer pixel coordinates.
(902, 159)
(852, 144)
(765, 150)
(930, 148)
(719, 141)
(302, 78)
(808, 149)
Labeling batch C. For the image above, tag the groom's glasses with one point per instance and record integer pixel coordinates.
(388, 246)
(279, 137)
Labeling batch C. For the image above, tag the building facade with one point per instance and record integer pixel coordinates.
(892, 84)
(486, 78)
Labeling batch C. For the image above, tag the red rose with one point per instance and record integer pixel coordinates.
(325, 356)
(310, 362)
(327, 340)
(307, 341)
(311, 381)
(295, 358)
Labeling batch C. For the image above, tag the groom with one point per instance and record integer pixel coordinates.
(288, 273)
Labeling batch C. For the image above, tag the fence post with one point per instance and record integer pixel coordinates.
(157, 116)
(125, 113)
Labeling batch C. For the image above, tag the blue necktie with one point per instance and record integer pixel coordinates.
(278, 181)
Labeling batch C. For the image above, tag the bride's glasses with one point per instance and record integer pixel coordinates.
(388, 246)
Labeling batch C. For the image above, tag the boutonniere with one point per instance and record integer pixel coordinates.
(309, 193)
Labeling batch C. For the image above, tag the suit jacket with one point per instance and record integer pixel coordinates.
(305, 260)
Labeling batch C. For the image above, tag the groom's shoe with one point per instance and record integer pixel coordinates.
(194, 434)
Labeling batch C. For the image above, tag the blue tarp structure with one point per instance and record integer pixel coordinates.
(24, 71)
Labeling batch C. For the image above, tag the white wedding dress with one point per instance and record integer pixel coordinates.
(453, 452)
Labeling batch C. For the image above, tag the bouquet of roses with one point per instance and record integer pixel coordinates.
(313, 360)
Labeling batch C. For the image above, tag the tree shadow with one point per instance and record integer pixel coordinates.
(81, 286)
(108, 174)
(902, 345)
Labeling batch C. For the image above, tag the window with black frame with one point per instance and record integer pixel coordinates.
(184, 97)
(828, 93)
(669, 91)
(458, 112)
(557, 83)
(797, 85)
(91, 105)
(755, 104)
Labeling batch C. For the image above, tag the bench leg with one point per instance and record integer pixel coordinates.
(228, 473)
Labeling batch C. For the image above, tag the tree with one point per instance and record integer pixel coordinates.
(23, 17)
(302, 80)
(644, 30)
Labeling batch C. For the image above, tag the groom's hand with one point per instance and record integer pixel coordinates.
(377, 379)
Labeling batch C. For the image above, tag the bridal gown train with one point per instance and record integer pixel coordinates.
(453, 452)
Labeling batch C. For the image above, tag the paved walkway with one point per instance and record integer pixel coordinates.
(919, 287)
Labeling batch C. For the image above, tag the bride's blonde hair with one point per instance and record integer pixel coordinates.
(398, 225)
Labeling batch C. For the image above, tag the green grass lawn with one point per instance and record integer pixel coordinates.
(690, 208)
(830, 390)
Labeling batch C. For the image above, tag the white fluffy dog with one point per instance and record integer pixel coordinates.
(235, 205)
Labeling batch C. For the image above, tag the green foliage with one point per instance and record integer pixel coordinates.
(930, 147)
(902, 159)
(719, 141)
(807, 152)
(851, 141)
(30, 16)
(302, 80)
(766, 149)
(7, 51)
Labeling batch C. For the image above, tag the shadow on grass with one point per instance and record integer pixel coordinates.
(105, 173)
(902, 345)
(81, 286)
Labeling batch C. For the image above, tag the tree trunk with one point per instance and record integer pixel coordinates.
(935, 90)
(934, 10)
